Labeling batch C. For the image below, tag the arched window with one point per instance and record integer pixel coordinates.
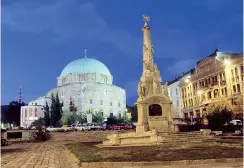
(90, 101)
(155, 110)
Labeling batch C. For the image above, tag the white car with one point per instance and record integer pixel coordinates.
(236, 122)
(83, 127)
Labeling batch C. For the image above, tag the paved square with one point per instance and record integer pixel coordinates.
(51, 154)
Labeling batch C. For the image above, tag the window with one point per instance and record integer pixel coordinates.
(215, 79)
(111, 103)
(216, 93)
(101, 102)
(176, 91)
(234, 88)
(186, 115)
(241, 69)
(223, 75)
(110, 115)
(232, 73)
(236, 71)
(222, 91)
(209, 82)
(118, 104)
(238, 88)
(119, 115)
(90, 101)
(225, 90)
(36, 103)
(209, 95)
(35, 112)
(177, 103)
(25, 112)
(30, 112)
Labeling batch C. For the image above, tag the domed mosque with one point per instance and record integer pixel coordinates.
(86, 84)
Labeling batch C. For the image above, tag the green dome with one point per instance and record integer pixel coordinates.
(85, 65)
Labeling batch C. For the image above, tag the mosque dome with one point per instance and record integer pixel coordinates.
(85, 65)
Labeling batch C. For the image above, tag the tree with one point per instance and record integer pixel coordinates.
(219, 105)
(58, 108)
(72, 107)
(97, 116)
(53, 111)
(13, 112)
(134, 113)
(39, 123)
(238, 105)
(47, 115)
(218, 118)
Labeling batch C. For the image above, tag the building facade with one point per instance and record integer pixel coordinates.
(217, 75)
(175, 95)
(87, 84)
(30, 113)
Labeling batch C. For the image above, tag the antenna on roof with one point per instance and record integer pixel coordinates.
(85, 51)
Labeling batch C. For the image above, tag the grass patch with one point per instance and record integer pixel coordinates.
(88, 152)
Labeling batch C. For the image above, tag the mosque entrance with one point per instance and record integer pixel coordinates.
(155, 110)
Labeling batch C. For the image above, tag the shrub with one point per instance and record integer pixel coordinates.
(218, 118)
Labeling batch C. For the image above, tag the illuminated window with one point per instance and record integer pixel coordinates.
(234, 88)
(236, 71)
(30, 112)
(35, 112)
(238, 88)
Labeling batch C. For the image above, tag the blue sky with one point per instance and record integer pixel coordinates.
(40, 37)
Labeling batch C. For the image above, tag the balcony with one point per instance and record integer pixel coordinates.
(223, 83)
(237, 79)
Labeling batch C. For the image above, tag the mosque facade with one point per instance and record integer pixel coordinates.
(87, 84)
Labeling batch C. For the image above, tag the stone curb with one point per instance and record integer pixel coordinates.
(72, 155)
(155, 163)
(159, 163)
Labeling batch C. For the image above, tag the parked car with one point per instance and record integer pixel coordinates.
(236, 122)
(83, 127)
(96, 127)
(68, 128)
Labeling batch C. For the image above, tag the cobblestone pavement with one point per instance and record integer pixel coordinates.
(51, 154)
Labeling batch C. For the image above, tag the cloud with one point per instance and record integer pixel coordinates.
(131, 88)
(67, 20)
(182, 66)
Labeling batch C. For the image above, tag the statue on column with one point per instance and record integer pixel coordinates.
(155, 86)
(166, 89)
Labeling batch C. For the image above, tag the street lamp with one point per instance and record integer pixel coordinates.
(226, 62)
(199, 92)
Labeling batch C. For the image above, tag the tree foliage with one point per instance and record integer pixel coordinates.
(218, 118)
(47, 115)
(97, 116)
(56, 110)
(69, 119)
(219, 105)
(13, 112)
